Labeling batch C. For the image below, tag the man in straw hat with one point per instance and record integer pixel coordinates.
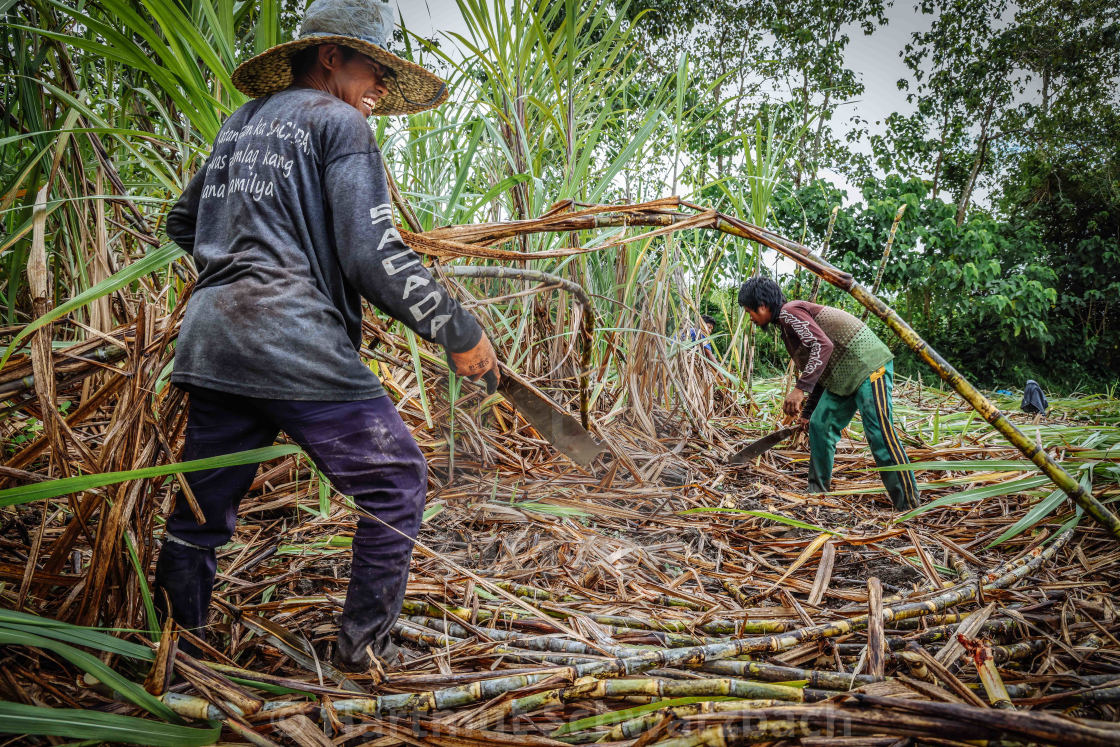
(290, 226)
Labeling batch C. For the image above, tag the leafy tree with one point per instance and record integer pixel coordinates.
(977, 292)
(807, 55)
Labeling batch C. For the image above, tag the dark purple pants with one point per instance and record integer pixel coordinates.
(366, 451)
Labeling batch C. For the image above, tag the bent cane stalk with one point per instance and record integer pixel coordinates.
(587, 323)
(665, 215)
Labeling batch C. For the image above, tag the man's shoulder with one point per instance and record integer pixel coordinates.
(337, 126)
(796, 309)
(321, 108)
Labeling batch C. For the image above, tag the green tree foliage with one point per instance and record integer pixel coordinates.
(1021, 99)
(978, 292)
(809, 40)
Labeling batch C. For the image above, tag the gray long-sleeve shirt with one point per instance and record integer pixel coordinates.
(289, 224)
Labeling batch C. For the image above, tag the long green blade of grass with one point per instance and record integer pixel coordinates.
(74, 634)
(129, 690)
(1040, 511)
(979, 465)
(17, 718)
(977, 494)
(54, 488)
(614, 717)
(758, 514)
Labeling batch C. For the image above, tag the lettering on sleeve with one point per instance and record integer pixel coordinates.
(390, 262)
(425, 306)
(380, 214)
(412, 283)
(800, 327)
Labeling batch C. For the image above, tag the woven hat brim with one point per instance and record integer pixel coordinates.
(413, 90)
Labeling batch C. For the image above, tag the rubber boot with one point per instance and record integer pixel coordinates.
(373, 604)
(185, 576)
(818, 482)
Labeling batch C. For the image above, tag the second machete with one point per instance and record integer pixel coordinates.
(762, 445)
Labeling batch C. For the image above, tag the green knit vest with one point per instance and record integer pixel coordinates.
(856, 354)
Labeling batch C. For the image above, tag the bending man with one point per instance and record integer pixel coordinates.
(842, 366)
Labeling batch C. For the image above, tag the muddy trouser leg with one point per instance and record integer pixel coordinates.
(217, 423)
(831, 416)
(367, 452)
(874, 399)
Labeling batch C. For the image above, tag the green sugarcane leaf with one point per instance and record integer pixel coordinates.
(1040, 511)
(73, 634)
(977, 494)
(979, 465)
(128, 689)
(152, 261)
(18, 718)
(758, 514)
(54, 488)
(432, 511)
(614, 717)
(145, 591)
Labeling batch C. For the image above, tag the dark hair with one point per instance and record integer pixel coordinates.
(305, 59)
(760, 291)
(708, 319)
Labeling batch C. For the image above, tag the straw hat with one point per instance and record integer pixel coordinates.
(364, 25)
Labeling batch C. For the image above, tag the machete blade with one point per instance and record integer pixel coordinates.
(762, 445)
(556, 426)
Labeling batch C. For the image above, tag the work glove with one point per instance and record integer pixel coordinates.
(479, 362)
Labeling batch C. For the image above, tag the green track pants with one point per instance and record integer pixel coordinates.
(832, 415)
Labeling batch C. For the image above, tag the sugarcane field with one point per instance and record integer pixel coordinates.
(650, 373)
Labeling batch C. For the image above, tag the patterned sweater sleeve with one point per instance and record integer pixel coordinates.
(813, 344)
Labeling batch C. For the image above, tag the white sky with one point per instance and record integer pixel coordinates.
(425, 16)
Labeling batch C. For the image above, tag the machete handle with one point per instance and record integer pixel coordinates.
(490, 378)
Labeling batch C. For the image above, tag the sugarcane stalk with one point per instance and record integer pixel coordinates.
(876, 644)
(1099, 696)
(886, 255)
(663, 214)
(518, 640)
(981, 654)
(533, 592)
(475, 692)
(634, 727)
(1020, 650)
(587, 321)
(423, 636)
(439, 633)
(591, 688)
(620, 623)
